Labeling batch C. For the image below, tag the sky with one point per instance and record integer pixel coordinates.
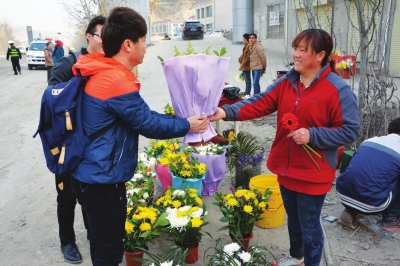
(42, 15)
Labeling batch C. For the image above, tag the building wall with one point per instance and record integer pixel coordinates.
(200, 8)
(143, 8)
(394, 58)
(223, 13)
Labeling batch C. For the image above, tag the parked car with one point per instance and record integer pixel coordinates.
(192, 28)
(21, 49)
(209, 31)
(217, 32)
(35, 55)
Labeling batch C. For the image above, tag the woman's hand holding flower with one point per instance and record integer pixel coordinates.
(300, 136)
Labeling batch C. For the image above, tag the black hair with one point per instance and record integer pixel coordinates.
(394, 126)
(123, 23)
(253, 34)
(97, 20)
(246, 36)
(47, 44)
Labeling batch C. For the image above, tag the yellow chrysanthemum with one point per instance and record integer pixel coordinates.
(252, 195)
(196, 222)
(194, 208)
(163, 161)
(262, 205)
(129, 227)
(145, 227)
(232, 202)
(176, 203)
(167, 203)
(228, 196)
(193, 194)
(248, 209)
(193, 190)
(128, 210)
(199, 201)
(202, 168)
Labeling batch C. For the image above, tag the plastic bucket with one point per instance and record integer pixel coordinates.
(275, 215)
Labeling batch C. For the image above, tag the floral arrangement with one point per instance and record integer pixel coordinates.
(173, 256)
(241, 209)
(209, 149)
(345, 64)
(240, 77)
(143, 225)
(183, 164)
(158, 147)
(290, 121)
(169, 110)
(244, 152)
(233, 255)
(175, 198)
(140, 194)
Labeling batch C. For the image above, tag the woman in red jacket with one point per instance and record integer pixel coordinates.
(316, 113)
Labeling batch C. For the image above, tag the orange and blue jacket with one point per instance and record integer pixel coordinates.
(327, 108)
(112, 92)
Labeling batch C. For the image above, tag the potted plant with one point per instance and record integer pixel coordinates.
(142, 225)
(233, 255)
(212, 155)
(173, 256)
(240, 210)
(245, 156)
(345, 66)
(176, 198)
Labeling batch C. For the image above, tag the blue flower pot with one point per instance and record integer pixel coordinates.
(184, 183)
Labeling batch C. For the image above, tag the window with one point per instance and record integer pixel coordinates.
(198, 13)
(209, 26)
(275, 20)
(202, 13)
(164, 28)
(209, 11)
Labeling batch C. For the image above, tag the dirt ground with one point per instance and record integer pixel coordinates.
(29, 228)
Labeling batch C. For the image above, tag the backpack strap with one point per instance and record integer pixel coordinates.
(103, 130)
(75, 55)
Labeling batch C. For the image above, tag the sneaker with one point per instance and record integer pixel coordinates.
(288, 261)
(391, 225)
(348, 220)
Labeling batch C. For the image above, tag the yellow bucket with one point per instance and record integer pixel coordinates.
(275, 215)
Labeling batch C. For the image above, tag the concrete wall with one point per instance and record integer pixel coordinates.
(223, 11)
(143, 8)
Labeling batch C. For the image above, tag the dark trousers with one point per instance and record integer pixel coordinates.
(105, 206)
(247, 79)
(66, 202)
(305, 231)
(15, 64)
(390, 214)
(49, 72)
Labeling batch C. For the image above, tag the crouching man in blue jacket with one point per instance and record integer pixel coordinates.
(112, 94)
(370, 184)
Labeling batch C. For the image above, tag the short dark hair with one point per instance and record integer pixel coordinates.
(47, 44)
(97, 20)
(394, 126)
(246, 36)
(123, 23)
(253, 34)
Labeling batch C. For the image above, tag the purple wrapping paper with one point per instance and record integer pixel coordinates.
(195, 84)
(216, 171)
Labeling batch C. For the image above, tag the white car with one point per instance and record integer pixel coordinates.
(35, 54)
(21, 49)
(217, 32)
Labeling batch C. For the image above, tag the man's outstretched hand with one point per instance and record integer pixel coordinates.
(198, 123)
(219, 114)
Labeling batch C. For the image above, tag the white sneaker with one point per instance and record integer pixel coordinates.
(288, 261)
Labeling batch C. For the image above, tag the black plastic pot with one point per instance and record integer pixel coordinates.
(243, 175)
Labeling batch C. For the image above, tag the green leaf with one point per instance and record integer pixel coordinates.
(223, 51)
(216, 53)
(160, 58)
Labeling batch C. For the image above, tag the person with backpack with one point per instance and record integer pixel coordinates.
(66, 200)
(58, 51)
(112, 93)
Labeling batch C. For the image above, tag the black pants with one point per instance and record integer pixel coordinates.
(15, 64)
(105, 206)
(49, 72)
(66, 202)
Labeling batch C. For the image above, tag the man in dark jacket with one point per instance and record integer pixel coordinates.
(66, 200)
(15, 55)
(370, 184)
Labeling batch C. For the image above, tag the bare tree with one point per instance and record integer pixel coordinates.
(6, 34)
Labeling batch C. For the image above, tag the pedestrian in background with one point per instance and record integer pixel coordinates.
(48, 58)
(66, 200)
(58, 51)
(258, 61)
(244, 61)
(15, 55)
(326, 117)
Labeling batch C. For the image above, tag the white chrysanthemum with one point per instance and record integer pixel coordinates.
(167, 263)
(171, 211)
(236, 262)
(152, 161)
(152, 264)
(136, 190)
(231, 248)
(129, 192)
(145, 195)
(143, 157)
(245, 256)
(203, 153)
(142, 201)
(179, 193)
(197, 213)
(178, 222)
(201, 149)
(184, 208)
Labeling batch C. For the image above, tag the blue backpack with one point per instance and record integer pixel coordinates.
(60, 126)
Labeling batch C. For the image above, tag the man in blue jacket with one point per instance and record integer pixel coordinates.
(66, 200)
(370, 184)
(112, 93)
